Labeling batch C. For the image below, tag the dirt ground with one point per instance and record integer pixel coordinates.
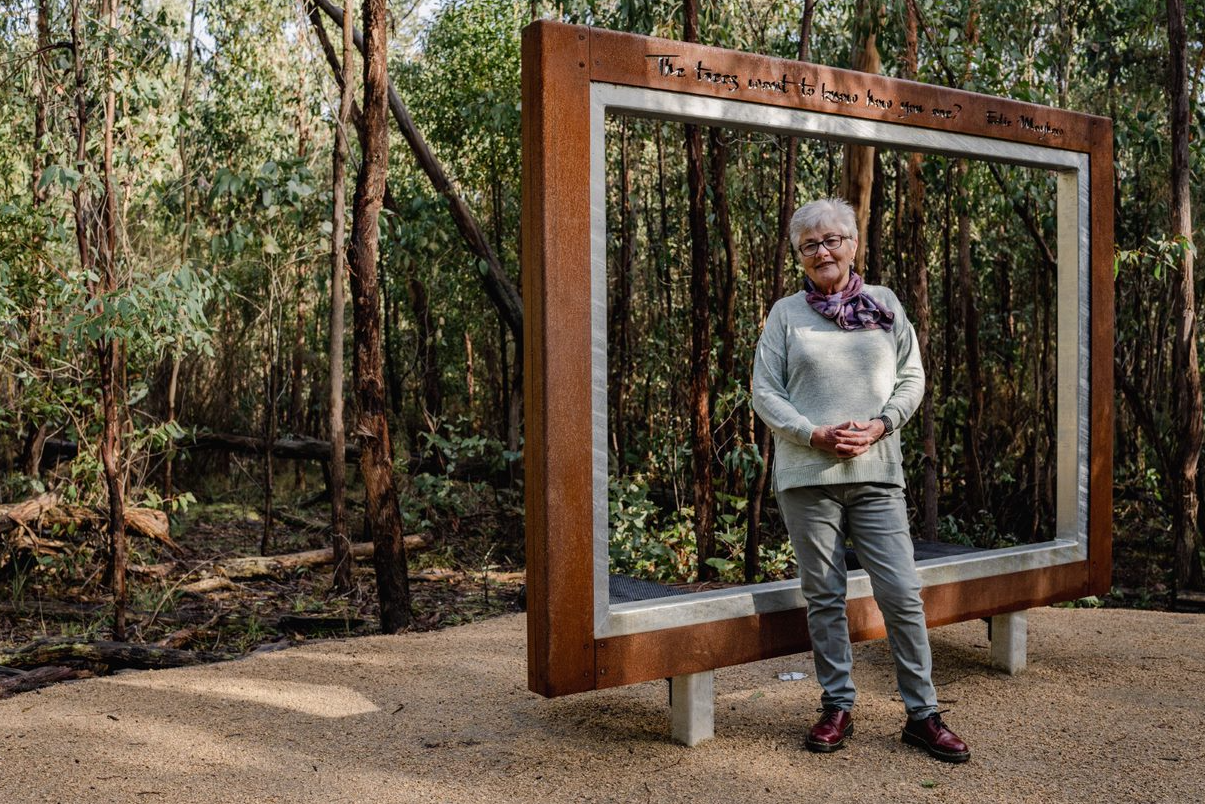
(1110, 709)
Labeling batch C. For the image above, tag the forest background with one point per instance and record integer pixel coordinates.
(168, 215)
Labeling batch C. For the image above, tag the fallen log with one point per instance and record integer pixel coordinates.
(39, 677)
(104, 654)
(47, 509)
(297, 448)
(251, 567)
(22, 513)
(205, 586)
(147, 522)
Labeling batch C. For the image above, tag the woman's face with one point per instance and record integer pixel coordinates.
(828, 269)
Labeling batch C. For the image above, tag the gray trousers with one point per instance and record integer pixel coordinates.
(875, 518)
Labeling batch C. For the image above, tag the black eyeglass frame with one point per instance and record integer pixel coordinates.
(810, 248)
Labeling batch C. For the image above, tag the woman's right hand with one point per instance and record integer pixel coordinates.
(845, 440)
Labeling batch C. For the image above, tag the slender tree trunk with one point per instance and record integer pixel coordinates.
(270, 412)
(340, 543)
(498, 287)
(700, 332)
(727, 287)
(857, 168)
(35, 430)
(782, 246)
(970, 318)
(109, 350)
(1186, 387)
(919, 275)
(432, 394)
(376, 457)
(622, 310)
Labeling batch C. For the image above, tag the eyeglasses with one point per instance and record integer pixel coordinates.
(832, 243)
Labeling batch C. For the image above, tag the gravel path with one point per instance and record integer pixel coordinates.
(1111, 709)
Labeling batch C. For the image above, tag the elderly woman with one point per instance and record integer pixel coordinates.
(837, 372)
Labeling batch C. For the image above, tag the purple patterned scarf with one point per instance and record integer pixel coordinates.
(850, 308)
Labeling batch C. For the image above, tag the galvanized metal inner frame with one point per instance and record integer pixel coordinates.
(1072, 433)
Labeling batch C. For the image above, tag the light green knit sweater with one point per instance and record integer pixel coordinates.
(808, 372)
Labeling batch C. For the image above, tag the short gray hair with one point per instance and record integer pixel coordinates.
(835, 212)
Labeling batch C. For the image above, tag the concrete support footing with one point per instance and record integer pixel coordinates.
(692, 707)
(1009, 641)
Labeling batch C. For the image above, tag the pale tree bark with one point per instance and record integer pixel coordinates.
(1186, 386)
(700, 332)
(857, 168)
(340, 543)
(376, 458)
(782, 246)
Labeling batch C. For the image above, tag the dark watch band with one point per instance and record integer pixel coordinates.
(888, 429)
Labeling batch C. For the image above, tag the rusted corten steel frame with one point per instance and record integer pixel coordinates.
(560, 62)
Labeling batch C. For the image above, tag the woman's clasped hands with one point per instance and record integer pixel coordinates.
(848, 439)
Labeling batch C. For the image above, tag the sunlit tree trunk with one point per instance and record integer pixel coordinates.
(376, 457)
(857, 168)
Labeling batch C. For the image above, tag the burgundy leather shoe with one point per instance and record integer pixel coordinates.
(935, 737)
(830, 731)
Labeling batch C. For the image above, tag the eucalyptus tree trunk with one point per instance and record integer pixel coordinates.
(376, 457)
(919, 281)
(35, 429)
(970, 310)
(622, 310)
(108, 350)
(497, 285)
(700, 333)
(782, 246)
(1186, 389)
(340, 544)
(857, 168)
(726, 289)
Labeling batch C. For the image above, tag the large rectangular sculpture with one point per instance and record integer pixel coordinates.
(573, 77)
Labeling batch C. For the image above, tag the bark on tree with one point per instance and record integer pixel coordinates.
(1186, 390)
(103, 240)
(857, 168)
(703, 491)
(340, 543)
(35, 429)
(726, 290)
(498, 286)
(970, 311)
(622, 311)
(782, 246)
(919, 280)
(376, 458)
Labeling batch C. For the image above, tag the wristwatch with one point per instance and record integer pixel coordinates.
(888, 429)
